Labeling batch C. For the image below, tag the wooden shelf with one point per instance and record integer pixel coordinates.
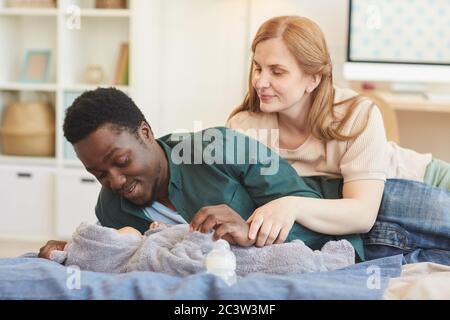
(413, 102)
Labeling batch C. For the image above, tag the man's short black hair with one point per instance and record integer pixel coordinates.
(93, 109)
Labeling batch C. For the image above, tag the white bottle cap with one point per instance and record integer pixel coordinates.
(221, 258)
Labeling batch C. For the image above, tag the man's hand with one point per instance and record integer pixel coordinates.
(52, 245)
(226, 222)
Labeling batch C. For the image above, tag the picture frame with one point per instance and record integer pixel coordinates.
(35, 68)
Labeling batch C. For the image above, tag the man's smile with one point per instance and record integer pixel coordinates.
(128, 191)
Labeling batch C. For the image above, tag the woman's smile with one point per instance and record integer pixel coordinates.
(266, 98)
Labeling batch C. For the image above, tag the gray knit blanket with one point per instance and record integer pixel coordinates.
(176, 251)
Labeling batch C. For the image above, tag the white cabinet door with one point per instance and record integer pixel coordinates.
(77, 193)
(27, 202)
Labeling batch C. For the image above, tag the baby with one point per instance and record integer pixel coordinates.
(177, 251)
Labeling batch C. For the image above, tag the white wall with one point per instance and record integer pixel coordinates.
(203, 58)
(146, 57)
(196, 54)
(194, 58)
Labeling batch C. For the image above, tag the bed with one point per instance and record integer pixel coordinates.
(31, 278)
(425, 280)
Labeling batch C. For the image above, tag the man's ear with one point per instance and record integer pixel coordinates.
(145, 131)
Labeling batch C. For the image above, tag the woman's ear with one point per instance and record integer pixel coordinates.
(315, 81)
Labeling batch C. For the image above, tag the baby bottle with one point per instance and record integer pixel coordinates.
(221, 262)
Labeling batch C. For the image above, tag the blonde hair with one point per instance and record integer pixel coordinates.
(306, 42)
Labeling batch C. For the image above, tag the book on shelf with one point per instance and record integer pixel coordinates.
(121, 75)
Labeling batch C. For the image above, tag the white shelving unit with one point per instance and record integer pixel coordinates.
(115, 13)
(28, 12)
(17, 86)
(64, 193)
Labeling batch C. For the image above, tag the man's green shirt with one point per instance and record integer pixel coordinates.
(221, 166)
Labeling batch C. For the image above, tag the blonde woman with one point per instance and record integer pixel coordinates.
(327, 131)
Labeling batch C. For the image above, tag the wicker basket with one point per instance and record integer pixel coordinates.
(28, 129)
(110, 4)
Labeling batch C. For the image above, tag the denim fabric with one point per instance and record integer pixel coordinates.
(29, 278)
(413, 220)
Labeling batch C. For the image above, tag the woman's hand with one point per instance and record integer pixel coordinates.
(272, 222)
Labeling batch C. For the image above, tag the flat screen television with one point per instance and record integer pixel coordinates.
(398, 41)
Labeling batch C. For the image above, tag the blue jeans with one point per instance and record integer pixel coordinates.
(413, 220)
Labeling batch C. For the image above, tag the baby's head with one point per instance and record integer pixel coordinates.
(102, 249)
(129, 230)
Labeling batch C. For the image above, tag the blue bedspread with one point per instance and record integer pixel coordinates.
(32, 278)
